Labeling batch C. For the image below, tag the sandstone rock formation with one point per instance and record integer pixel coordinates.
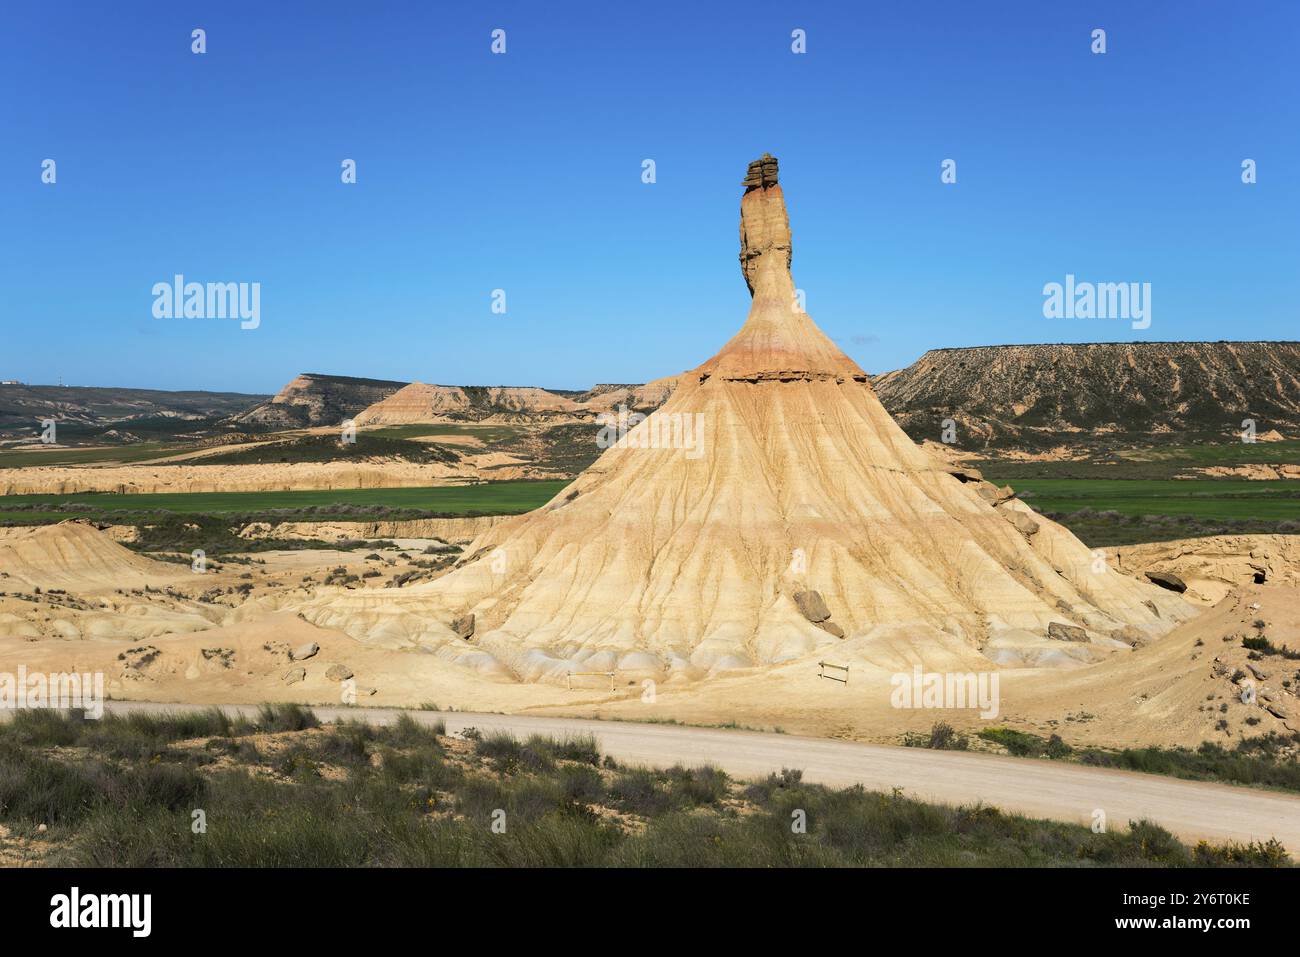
(634, 398)
(76, 556)
(420, 402)
(72, 582)
(772, 470)
(1211, 568)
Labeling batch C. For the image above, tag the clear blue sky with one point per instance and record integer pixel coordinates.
(523, 172)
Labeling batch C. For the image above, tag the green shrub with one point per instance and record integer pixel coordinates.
(942, 737)
(275, 718)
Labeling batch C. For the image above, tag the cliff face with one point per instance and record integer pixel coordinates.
(1038, 395)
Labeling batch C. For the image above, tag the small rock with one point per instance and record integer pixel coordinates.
(1063, 632)
(1024, 524)
(812, 606)
(831, 628)
(1259, 675)
(294, 675)
(464, 626)
(994, 495)
(303, 652)
(41, 828)
(1167, 580)
(1130, 635)
(338, 673)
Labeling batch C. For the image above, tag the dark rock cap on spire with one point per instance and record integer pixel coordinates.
(761, 173)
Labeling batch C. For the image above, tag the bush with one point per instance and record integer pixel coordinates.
(275, 718)
(39, 791)
(347, 743)
(1268, 853)
(44, 727)
(1025, 745)
(942, 737)
(650, 793)
(1264, 646)
(406, 732)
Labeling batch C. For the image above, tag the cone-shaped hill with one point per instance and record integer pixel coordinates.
(769, 508)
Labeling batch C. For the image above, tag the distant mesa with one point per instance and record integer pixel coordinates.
(313, 399)
(1043, 395)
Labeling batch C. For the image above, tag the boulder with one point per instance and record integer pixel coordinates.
(812, 606)
(1277, 711)
(1130, 635)
(338, 673)
(1024, 524)
(1167, 580)
(1063, 632)
(464, 626)
(294, 675)
(994, 495)
(303, 652)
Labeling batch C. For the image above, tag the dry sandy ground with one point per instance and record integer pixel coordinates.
(460, 530)
(297, 476)
(1263, 473)
(161, 633)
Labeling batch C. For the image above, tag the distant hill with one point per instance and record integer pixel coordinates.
(1055, 394)
(86, 408)
(313, 399)
(421, 402)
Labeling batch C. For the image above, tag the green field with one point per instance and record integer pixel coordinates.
(494, 498)
(1227, 453)
(1149, 463)
(1277, 501)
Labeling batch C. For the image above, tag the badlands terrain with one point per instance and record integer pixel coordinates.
(1099, 537)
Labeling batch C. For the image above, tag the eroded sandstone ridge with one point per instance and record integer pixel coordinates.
(695, 545)
(1044, 395)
